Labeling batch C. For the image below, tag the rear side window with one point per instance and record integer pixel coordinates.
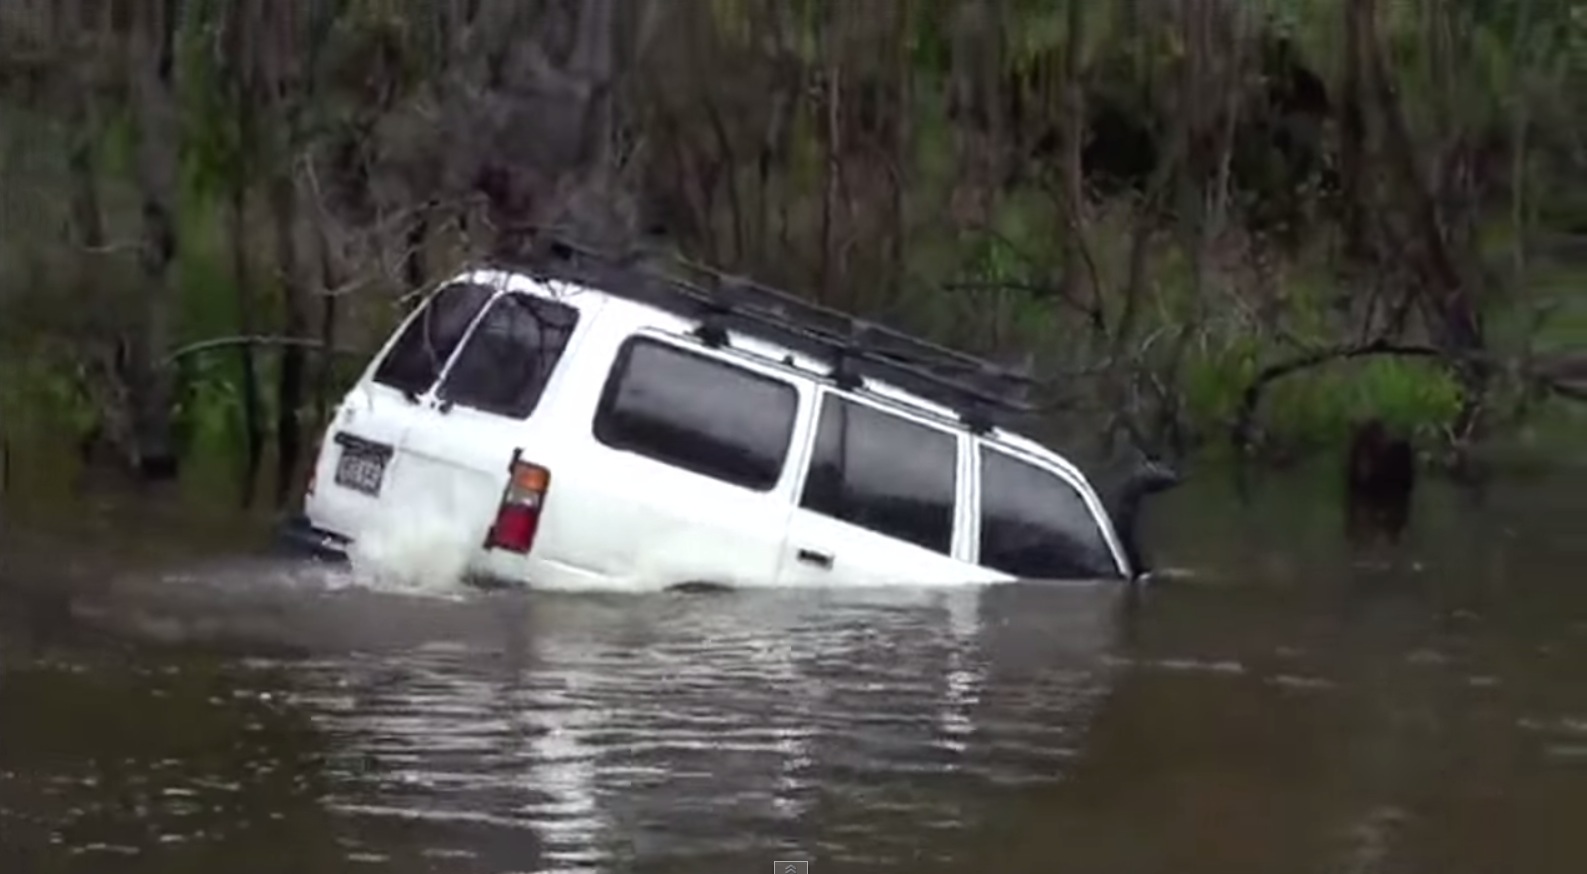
(697, 413)
(416, 359)
(1035, 525)
(884, 473)
(509, 357)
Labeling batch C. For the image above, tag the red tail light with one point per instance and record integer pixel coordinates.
(518, 516)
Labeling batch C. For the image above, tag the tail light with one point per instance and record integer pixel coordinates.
(518, 516)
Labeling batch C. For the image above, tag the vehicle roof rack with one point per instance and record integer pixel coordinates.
(982, 392)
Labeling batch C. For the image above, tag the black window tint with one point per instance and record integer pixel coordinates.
(884, 473)
(417, 357)
(509, 357)
(699, 414)
(1035, 525)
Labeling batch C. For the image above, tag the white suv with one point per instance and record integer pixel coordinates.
(585, 423)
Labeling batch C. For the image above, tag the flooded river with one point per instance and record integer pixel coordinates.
(1286, 708)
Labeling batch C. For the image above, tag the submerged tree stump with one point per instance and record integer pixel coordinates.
(1380, 478)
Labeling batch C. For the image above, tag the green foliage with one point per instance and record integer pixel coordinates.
(1411, 396)
(206, 286)
(210, 408)
(118, 142)
(38, 397)
(1504, 67)
(1317, 408)
(1214, 380)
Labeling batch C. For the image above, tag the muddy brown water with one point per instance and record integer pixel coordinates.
(172, 703)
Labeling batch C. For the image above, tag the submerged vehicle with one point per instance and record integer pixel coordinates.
(585, 421)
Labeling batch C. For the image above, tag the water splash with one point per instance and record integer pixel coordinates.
(413, 547)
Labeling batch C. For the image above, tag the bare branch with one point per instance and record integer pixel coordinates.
(256, 340)
(113, 248)
(346, 288)
(1565, 389)
(1240, 431)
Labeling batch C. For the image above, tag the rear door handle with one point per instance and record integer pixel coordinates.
(819, 559)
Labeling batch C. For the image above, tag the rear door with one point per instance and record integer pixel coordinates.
(880, 501)
(375, 418)
(452, 459)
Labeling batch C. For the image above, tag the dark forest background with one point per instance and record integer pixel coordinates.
(1219, 228)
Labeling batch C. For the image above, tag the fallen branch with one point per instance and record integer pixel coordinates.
(1564, 389)
(1240, 431)
(345, 288)
(112, 248)
(256, 340)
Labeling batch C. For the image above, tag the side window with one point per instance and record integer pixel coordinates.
(1035, 525)
(884, 473)
(427, 341)
(509, 357)
(694, 412)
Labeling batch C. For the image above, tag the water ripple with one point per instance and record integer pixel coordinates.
(592, 739)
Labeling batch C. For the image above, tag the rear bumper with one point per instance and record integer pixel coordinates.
(297, 536)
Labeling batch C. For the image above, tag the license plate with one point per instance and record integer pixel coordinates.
(361, 466)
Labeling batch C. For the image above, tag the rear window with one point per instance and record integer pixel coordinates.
(427, 341)
(510, 356)
(697, 413)
(884, 473)
(1035, 525)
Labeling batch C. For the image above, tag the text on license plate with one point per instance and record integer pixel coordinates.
(361, 469)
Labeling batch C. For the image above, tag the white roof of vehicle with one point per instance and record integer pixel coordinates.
(642, 314)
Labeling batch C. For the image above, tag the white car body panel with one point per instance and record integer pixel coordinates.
(622, 521)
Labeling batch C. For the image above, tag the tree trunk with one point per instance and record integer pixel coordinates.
(834, 88)
(88, 223)
(1352, 138)
(414, 271)
(330, 279)
(289, 397)
(1073, 128)
(106, 430)
(546, 129)
(903, 87)
(1448, 290)
(154, 88)
(240, 40)
(252, 432)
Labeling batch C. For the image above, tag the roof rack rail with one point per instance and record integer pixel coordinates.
(982, 392)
